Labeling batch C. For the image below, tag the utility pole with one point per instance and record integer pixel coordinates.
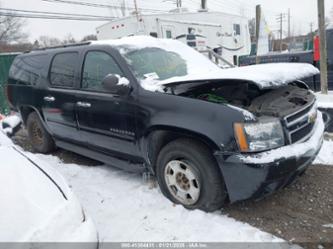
(178, 3)
(136, 10)
(323, 46)
(281, 19)
(289, 19)
(203, 4)
(289, 35)
(258, 19)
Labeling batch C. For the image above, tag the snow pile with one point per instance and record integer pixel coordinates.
(10, 124)
(126, 209)
(32, 207)
(122, 81)
(325, 155)
(200, 67)
(325, 101)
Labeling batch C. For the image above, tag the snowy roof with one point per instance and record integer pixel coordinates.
(200, 67)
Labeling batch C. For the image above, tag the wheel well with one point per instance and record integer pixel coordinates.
(25, 111)
(157, 139)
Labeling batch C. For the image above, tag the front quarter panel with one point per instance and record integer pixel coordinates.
(209, 120)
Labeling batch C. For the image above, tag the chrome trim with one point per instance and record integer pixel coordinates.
(302, 117)
(306, 137)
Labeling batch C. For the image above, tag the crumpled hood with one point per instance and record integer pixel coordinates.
(265, 76)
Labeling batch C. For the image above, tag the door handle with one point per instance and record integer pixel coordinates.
(49, 99)
(83, 104)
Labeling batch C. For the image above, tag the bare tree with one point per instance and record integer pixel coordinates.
(89, 38)
(48, 41)
(69, 39)
(11, 29)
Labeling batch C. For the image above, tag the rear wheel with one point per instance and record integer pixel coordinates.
(188, 174)
(41, 140)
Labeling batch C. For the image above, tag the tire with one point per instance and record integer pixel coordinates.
(40, 139)
(202, 187)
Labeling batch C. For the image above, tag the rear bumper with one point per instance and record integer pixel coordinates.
(256, 175)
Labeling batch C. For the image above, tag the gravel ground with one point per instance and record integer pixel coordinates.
(297, 214)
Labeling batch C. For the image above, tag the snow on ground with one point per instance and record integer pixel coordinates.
(325, 100)
(126, 209)
(325, 155)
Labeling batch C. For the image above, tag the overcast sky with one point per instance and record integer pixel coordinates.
(303, 12)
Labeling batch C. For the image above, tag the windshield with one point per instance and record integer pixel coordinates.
(159, 60)
(156, 63)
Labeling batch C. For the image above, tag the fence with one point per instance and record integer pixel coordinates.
(6, 60)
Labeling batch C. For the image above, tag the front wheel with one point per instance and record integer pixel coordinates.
(188, 175)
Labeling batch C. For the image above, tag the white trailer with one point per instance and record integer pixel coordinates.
(228, 35)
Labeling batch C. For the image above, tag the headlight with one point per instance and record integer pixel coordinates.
(260, 136)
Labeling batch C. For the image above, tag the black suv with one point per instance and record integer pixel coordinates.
(159, 107)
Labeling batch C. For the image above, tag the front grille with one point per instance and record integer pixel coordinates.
(299, 135)
(299, 114)
(299, 125)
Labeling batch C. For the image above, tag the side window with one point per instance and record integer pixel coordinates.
(237, 30)
(63, 69)
(97, 66)
(26, 70)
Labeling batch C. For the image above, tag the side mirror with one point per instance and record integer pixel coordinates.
(115, 84)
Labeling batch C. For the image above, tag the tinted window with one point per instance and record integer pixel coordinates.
(63, 69)
(162, 63)
(97, 66)
(26, 70)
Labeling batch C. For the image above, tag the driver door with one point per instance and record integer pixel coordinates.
(106, 121)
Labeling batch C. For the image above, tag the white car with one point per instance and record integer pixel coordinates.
(36, 204)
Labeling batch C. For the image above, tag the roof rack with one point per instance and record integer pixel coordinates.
(63, 46)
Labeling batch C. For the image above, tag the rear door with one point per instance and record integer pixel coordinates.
(59, 99)
(106, 121)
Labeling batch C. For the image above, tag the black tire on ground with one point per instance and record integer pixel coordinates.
(198, 158)
(40, 139)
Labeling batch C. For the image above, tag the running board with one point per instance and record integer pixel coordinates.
(104, 158)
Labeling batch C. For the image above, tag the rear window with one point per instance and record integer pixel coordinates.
(27, 70)
(63, 70)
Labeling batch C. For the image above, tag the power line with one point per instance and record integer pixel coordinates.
(52, 13)
(98, 5)
(54, 17)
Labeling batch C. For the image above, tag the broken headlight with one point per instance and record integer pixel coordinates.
(260, 136)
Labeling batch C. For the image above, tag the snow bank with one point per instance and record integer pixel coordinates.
(126, 209)
(10, 124)
(325, 155)
(200, 67)
(4, 140)
(325, 100)
(32, 207)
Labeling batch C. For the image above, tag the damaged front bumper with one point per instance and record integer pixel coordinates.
(259, 174)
